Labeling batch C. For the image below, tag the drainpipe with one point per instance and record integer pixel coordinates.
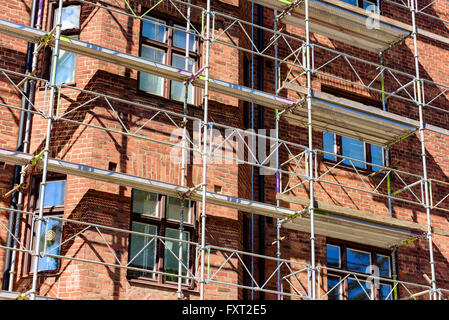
(26, 143)
(261, 177)
(14, 218)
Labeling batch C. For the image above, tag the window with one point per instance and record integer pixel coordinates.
(66, 61)
(160, 215)
(355, 286)
(51, 231)
(354, 149)
(349, 147)
(365, 4)
(167, 46)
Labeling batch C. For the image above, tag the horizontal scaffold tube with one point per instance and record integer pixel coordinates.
(144, 184)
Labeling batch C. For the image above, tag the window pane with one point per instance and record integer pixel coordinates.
(173, 209)
(70, 17)
(54, 193)
(383, 262)
(140, 257)
(65, 67)
(377, 157)
(171, 254)
(177, 88)
(358, 290)
(179, 39)
(353, 149)
(335, 293)
(333, 256)
(353, 2)
(153, 31)
(385, 292)
(371, 6)
(50, 239)
(358, 261)
(329, 145)
(148, 82)
(144, 202)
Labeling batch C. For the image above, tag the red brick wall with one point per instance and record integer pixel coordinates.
(107, 204)
(12, 57)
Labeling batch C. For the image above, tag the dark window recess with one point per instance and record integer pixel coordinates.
(246, 104)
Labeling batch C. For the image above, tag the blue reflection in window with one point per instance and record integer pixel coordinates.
(65, 67)
(354, 149)
(333, 256)
(353, 2)
(358, 290)
(54, 193)
(153, 31)
(371, 6)
(358, 261)
(180, 37)
(385, 292)
(376, 157)
(70, 18)
(334, 290)
(329, 145)
(383, 262)
(50, 240)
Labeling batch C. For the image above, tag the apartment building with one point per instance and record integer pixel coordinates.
(226, 149)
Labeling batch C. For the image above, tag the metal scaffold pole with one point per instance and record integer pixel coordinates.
(310, 145)
(46, 151)
(184, 157)
(419, 92)
(276, 127)
(26, 143)
(204, 184)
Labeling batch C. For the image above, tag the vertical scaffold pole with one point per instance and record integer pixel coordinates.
(310, 145)
(46, 152)
(26, 143)
(252, 143)
(205, 124)
(276, 127)
(386, 153)
(184, 154)
(413, 8)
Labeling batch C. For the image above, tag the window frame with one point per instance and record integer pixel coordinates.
(33, 206)
(360, 4)
(338, 150)
(74, 32)
(161, 222)
(343, 270)
(338, 139)
(169, 49)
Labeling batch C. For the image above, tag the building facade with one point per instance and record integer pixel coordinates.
(313, 163)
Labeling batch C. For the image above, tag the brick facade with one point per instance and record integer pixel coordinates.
(110, 205)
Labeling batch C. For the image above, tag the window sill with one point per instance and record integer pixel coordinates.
(165, 100)
(41, 86)
(48, 273)
(148, 282)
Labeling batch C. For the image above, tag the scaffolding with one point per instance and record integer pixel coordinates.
(312, 109)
